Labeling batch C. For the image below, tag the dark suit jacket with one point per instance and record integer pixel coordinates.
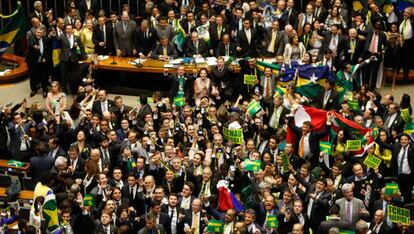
(184, 25)
(410, 156)
(68, 54)
(189, 220)
(282, 115)
(96, 107)
(214, 34)
(175, 86)
(142, 44)
(353, 58)
(332, 103)
(384, 229)
(158, 50)
(279, 43)
(98, 36)
(382, 44)
(247, 49)
(40, 166)
(398, 123)
(320, 208)
(44, 18)
(326, 225)
(341, 45)
(190, 49)
(33, 54)
(83, 8)
(221, 49)
(79, 172)
(314, 137)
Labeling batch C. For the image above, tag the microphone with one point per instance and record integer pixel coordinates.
(113, 60)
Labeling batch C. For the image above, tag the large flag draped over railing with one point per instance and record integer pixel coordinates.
(14, 29)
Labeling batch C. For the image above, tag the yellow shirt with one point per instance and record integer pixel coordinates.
(40, 190)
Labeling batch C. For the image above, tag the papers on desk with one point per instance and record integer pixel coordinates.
(199, 60)
(103, 57)
(5, 72)
(138, 60)
(168, 65)
(211, 61)
(177, 61)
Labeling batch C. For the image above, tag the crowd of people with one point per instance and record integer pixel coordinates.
(168, 164)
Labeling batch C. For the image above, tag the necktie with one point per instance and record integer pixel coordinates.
(227, 50)
(271, 48)
(71, 21)
(106, 158)
(373, 47)
(131, 193)
(41, 46)
(40, 17)
(348, 216)
(334, 46)
(301, 146)
(103, 107)
(267, 89)
(164, 51)
(196, 47)
(195, 224)
(172, 214)
(219, 32)
(401, 161)
(203, 189)
(73, 164)
(325, 99)
(103, 33)
(125, 27)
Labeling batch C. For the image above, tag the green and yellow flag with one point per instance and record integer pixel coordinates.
(15, 28)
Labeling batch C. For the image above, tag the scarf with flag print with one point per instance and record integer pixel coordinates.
(179, 39)
(50, 213)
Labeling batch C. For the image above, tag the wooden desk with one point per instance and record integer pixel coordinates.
(24, 195)
(7, 168)
(16, 74)
(149, 66)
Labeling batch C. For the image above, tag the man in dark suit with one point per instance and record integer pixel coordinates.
(123, 36)
(41, 164)
(217, 31)
(194, 217)
(103, 38)
(375, 45)
(106, 224)
(406, 26)
(320, 12)
(196, 46)
(328, 98)
(135, 197)
(335, 221)
(246, 40)
(290, 15)
(267, 86)
(393, 120)
(102, 104)
(144, 39)
(151, 226)
(55, 149)
(20, 140)
(164, 50)
(403, 163)
(69, 58)
(76, 164)
(173, 212)
(188, 24)
(354, 47)
(38, 12)
(226, 47)
(71, 16)
(222, 78)
(277, 113)
(37, 58)
(177, 87)
(312, 149)
(378, 224)
(318, 204)
(273, 41)
(161, 217)
(336, 43)
(86, 5)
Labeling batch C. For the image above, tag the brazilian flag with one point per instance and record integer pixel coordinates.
(14, 29)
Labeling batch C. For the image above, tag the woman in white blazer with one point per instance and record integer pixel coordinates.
(294, 51)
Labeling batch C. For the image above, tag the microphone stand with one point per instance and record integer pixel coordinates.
(113, 60)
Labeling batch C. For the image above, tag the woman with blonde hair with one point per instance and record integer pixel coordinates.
(56, 99)
(86, 37)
